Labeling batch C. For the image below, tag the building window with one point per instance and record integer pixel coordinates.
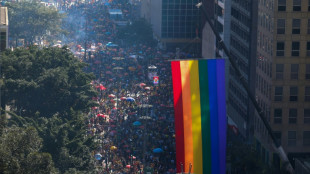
(308, 31)
(308, 49)
(292, 118)
(307, 72)
(278, 136)
(277, 116)
(281, 26)
(296, 26)
(306, 116)
(308, 5)
(279, 71)
(280, 48)
(307, 93)
(295, 48)
(306, 138)
(293, 93)
(294, 71)
(296, 5)
(291, 138)
(2, 41)
(281, 5)
(278, 92)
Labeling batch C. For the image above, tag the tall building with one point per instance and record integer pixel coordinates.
(4, 24)
(175, 22)
(220, 13)
(243, 50)
(263, 81)
(290, 94)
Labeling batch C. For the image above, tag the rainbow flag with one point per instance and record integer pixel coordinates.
(200, 115)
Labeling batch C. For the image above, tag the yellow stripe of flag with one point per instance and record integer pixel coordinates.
(196, 116)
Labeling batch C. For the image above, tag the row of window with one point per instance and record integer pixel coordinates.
(262, 85)
(264, 65)
(293, 93)
(296, 5)
(267, 3)
(246, 4)
(294, 74)
(295, 49)
(240, 16)
(240, 32)
(265, 42)
(296, 25)
(292, 137)
(292, 116)
(239, 46)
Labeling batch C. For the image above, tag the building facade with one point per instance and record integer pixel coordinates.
(290, 101)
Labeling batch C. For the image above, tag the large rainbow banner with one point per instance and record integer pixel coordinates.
(200, 115)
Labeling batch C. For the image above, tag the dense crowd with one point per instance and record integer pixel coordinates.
(133, 123)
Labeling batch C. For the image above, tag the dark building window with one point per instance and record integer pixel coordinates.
(296, 5)
(279, 71)
(308, 49)
(293, 93)
(280, 48)
(281, 5)
(281, 26)
(306, 138)
(307, 93)
(296, 26)
(294, 71)
(277, 116)
(308, 5)
(291, 138)
(307, 72)
(306, 115)
(278, 93)
(2, 41)
(278, 136)
(295, 48)
(308, 30)
(292, 118)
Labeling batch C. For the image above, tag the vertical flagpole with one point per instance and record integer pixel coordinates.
(287, 165)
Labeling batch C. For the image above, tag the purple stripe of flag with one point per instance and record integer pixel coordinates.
(222, 120)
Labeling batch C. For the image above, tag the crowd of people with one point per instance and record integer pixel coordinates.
(134, 122)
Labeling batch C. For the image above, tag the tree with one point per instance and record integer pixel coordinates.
(20, 152)
(48, 81)
(63, 141)
(29, 20)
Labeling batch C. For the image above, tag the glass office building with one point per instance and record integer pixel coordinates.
(180, 19)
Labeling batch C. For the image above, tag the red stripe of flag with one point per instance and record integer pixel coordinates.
(178, 114)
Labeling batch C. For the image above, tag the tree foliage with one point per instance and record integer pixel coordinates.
(52, 93)
(29, 20)
(48, 81)
(20, 152)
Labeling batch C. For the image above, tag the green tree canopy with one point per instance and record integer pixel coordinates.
(20, 152)
(29, 20)
(48, 81)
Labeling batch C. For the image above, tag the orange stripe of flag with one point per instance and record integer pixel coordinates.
(187, 115)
